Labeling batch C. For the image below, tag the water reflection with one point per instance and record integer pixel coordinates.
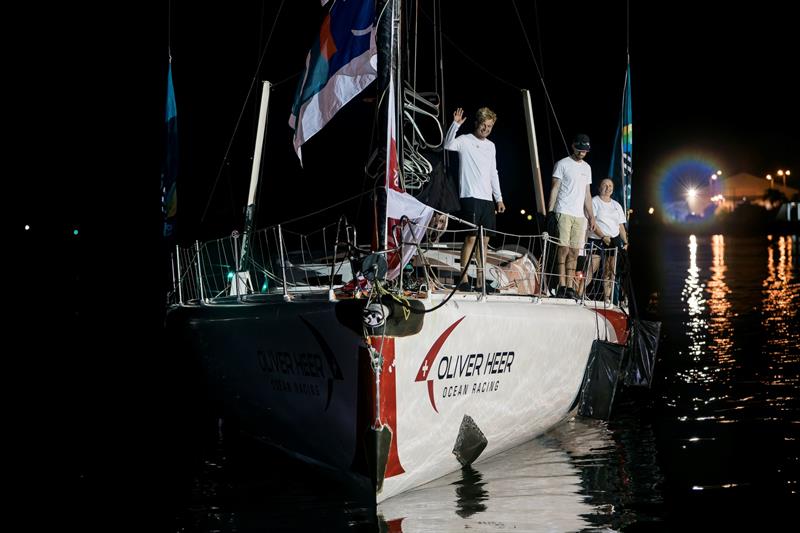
(582, 475)
(719, 306)
(692, 296)
(470, 493)
(730, 370)
(779, 304)
(575, 477)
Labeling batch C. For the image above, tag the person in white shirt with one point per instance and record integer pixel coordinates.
(571, 205)
(479, 182)
(609, 233)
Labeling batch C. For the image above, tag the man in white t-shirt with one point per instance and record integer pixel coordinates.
(479, 182)
(608, 235)
(571, 205)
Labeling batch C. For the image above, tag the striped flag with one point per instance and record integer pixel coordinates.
(340, 64)
(621, 159)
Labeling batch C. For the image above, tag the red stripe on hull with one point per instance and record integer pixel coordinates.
(388, 414)
(619, 321)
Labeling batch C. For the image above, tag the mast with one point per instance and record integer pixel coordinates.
(533, 150)
(242, 276)
(390, 111)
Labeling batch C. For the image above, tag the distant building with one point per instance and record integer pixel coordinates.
(746, 188)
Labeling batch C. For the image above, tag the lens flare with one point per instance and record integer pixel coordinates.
(686, 189)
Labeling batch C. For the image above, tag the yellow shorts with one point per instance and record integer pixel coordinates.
(571, 230)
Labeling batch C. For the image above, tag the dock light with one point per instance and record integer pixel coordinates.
(27, 227)
(691, 192)
(521, 211)
(651, 211)
(530, 217)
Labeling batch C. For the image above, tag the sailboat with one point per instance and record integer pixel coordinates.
(364, 357)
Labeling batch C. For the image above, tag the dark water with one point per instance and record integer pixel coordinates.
(713, 444)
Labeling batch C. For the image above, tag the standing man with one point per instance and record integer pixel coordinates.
(571, 203)
(479, 182)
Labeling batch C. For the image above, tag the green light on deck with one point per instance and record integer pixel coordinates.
(75, 232)
(230, 276)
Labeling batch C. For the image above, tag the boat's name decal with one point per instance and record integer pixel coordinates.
(299, 372)
(462, 366)
(289, 371)
(304, 364)
(465, 366)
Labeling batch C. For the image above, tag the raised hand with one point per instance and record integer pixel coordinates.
(458, 116)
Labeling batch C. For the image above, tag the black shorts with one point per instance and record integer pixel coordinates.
(478, 212)
(596, 246)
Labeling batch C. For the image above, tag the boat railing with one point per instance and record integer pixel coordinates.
(290, 260)
(524, 265)
(278, 260)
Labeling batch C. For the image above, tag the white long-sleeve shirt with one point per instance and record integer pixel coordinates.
(478, 177)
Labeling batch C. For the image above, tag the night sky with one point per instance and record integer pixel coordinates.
(85, 93)
(710, 84)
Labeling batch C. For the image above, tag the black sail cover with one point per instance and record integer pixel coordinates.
(600, 379)
(642, 360)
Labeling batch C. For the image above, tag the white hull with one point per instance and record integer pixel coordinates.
(299, 376)
(538, 352)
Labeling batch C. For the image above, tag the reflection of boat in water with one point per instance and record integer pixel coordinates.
(583, 474)
(348, 360)
(535, 487)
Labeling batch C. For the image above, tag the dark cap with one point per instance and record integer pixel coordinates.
(581, 142)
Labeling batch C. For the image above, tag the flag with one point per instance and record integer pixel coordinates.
(399, 205)
(621, 167)
(340, 64)
(169, 171)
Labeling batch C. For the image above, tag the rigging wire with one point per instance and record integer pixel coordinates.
(438, 60)
(473, 61)
(547, 119)
(539, 72)
(169, 30)
(241, 112)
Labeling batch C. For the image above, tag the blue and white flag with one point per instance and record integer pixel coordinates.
(169, 171)
(340, 64)
(621, 167)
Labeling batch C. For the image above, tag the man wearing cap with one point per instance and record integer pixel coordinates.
(571, 205)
